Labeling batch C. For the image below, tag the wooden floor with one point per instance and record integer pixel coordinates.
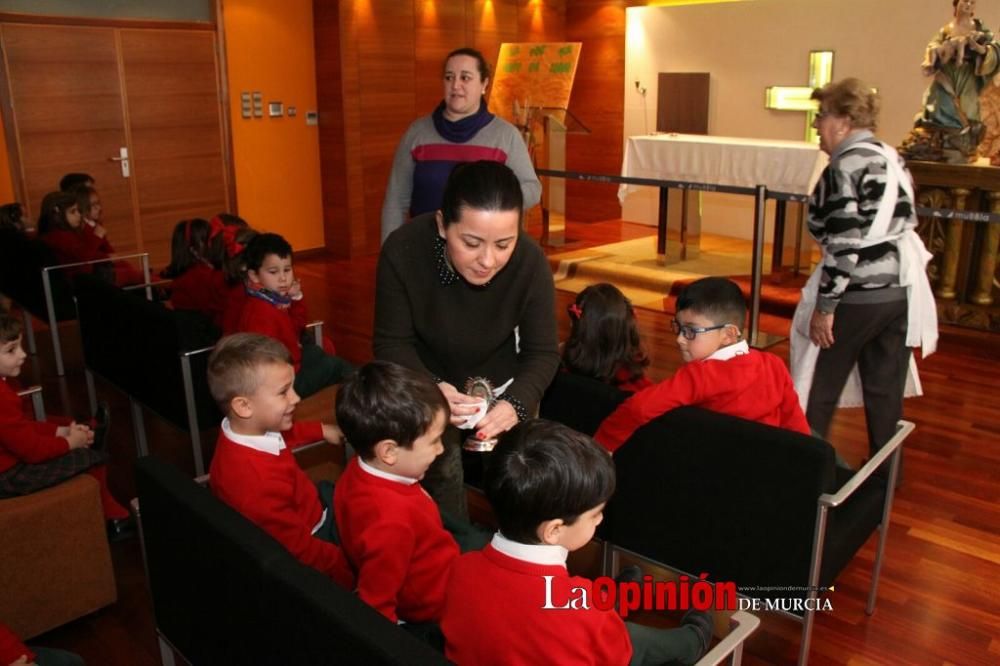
(939, 599)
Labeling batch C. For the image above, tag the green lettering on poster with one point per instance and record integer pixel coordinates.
(538, 50)
(534, 66)
(512, 67)
(566, 50)
(561, 67)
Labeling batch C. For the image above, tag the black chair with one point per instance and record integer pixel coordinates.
(31, 277)
(759, 506)
(224, 592)
(155, 355)
(579, 402)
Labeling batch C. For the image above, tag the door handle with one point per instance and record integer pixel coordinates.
(122, 158)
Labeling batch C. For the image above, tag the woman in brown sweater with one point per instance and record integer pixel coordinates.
(464, 293)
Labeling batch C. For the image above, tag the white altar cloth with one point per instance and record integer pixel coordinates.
(790, 167)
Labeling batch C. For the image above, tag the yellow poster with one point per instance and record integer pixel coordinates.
(533, 75)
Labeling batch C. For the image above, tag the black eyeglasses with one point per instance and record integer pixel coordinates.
(691, 332)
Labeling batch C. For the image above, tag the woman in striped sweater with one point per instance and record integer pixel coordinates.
(869, 300)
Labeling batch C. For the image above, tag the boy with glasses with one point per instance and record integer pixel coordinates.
(720, 371)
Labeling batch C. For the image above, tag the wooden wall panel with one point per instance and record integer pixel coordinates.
(597, 100)
(332, 147)
(378, 68)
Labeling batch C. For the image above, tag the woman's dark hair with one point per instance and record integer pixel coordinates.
(383, 400)
(52, 213)
(188, 245)
(12, 216)
(717, 298)
(82, 193)
(544, 470)
(481, 64)
(73, 180)
(263, 245)
(604, 336)
(481, 185)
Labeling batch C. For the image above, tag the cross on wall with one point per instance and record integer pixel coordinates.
(797, 98)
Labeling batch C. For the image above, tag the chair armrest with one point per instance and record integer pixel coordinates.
(903, 430)
(317, 331)
(743, 624)
(55, 267)
(37, 405)
(143, 285)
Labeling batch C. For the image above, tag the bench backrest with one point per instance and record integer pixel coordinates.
(224, 592)
(21, 262)
(136, 345)
(708, 492)
(579, 402)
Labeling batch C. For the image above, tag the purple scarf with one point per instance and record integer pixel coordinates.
(460, 131)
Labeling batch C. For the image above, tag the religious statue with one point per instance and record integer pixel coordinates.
(961, 58)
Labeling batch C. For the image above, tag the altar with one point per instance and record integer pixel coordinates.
(695, 163)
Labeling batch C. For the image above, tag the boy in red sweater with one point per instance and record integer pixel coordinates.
(253, 469)
(275, 307)
(548, 485)
(721, 372)
(392, 530)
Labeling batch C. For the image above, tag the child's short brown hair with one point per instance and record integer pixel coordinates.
(233, 367)
(384, 400)
(10, 327)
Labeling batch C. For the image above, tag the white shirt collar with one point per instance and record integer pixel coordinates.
(269, 442)
(405, 480)
(730, 351)
(528, 552)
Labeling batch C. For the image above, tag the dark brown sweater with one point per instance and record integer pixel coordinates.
(455, 331)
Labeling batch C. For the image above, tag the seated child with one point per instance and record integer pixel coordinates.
(88, 201)
(253, 470)
(275, 306)
(35, 455)
(390, 527)
(604, 340)
(196, 284)
(228, 238)
(60, 226)
(548, 485)
(721, 372)
(12, 218)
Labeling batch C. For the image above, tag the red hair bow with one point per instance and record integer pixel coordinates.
(228, 232)
(575, 312)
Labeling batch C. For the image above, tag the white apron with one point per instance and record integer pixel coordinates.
(921, 320)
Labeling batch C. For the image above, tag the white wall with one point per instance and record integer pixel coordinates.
(748, 46)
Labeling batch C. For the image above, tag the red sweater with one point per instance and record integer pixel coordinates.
(104, 243)
(11, 647)
(232, 297)
(283, 324)
(24, 440)
(393, 536)
(755, 386)
(200, 288)
(69, 247)
(276, 495)
(493, 615)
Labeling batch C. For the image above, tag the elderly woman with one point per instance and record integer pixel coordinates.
(459, 130)
(869, 300)
(464, 293)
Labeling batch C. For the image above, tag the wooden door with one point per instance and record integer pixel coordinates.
(175, 122)
(80, 94)
(66, 114)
